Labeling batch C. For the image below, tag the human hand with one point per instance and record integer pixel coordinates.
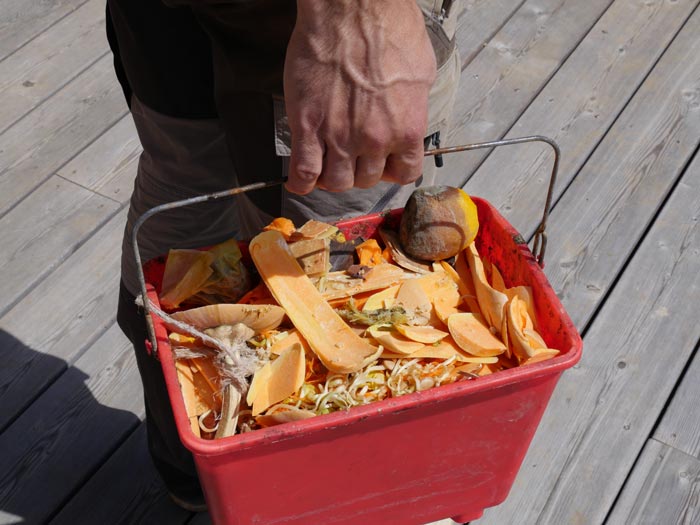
(356, 82)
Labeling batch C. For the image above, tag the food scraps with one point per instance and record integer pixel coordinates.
(319, 341)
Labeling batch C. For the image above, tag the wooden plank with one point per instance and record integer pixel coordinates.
(59, 319)
(43, 230)
(680, 426)
(603, 410)
(126, 489)
(53, 58)
(21, 21)
(578, 106)
(510, 71)
(664, 488)
(478, 22)
(108, 165)
(72, 428)
(613, 199)
(49, 136)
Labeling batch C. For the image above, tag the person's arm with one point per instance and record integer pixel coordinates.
(356, 82)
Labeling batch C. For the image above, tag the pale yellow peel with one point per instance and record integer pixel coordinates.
(186, 271)
(283, 415)
(382, 299)
(540, 355)
(415, 301)
(258, 317)
(184, 375)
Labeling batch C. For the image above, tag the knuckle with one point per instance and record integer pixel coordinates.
(306, 174)
(374, 140)
(413, 134)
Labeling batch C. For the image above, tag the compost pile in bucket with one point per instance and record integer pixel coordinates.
(334, 324)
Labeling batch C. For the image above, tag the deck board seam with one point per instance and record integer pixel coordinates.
(98, 227)
(109, 126)
(603, 136)
(662, 205)
(622, 487)
(95, 192)
(671, 397)
(634, 465)
(672, 447)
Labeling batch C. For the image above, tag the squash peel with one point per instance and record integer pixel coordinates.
(335, 344)
(526, 342)
(491, 302)
(369, 253)
(474, 337)
(393, 331)
(278, 379)
(421, 334)
(382, 299)
(257, 317)
(390, 339)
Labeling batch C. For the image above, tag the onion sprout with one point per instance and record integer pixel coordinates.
(203, 426)
(379, 380)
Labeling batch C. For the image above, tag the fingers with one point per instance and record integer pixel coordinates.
(338, 171)
(305, 164)
(406, 165)
(369, 170)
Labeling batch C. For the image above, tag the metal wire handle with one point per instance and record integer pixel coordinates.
(539, 244)
(539, 240)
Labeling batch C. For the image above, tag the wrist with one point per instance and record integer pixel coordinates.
(323, 11)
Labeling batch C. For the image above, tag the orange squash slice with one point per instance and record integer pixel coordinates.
(330, 338)
(277, 380)
(474, 337)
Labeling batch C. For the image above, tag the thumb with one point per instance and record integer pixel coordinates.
(305, 164)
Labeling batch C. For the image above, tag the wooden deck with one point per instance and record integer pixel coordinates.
(615, 82)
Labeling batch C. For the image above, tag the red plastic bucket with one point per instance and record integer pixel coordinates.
(450, 451)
